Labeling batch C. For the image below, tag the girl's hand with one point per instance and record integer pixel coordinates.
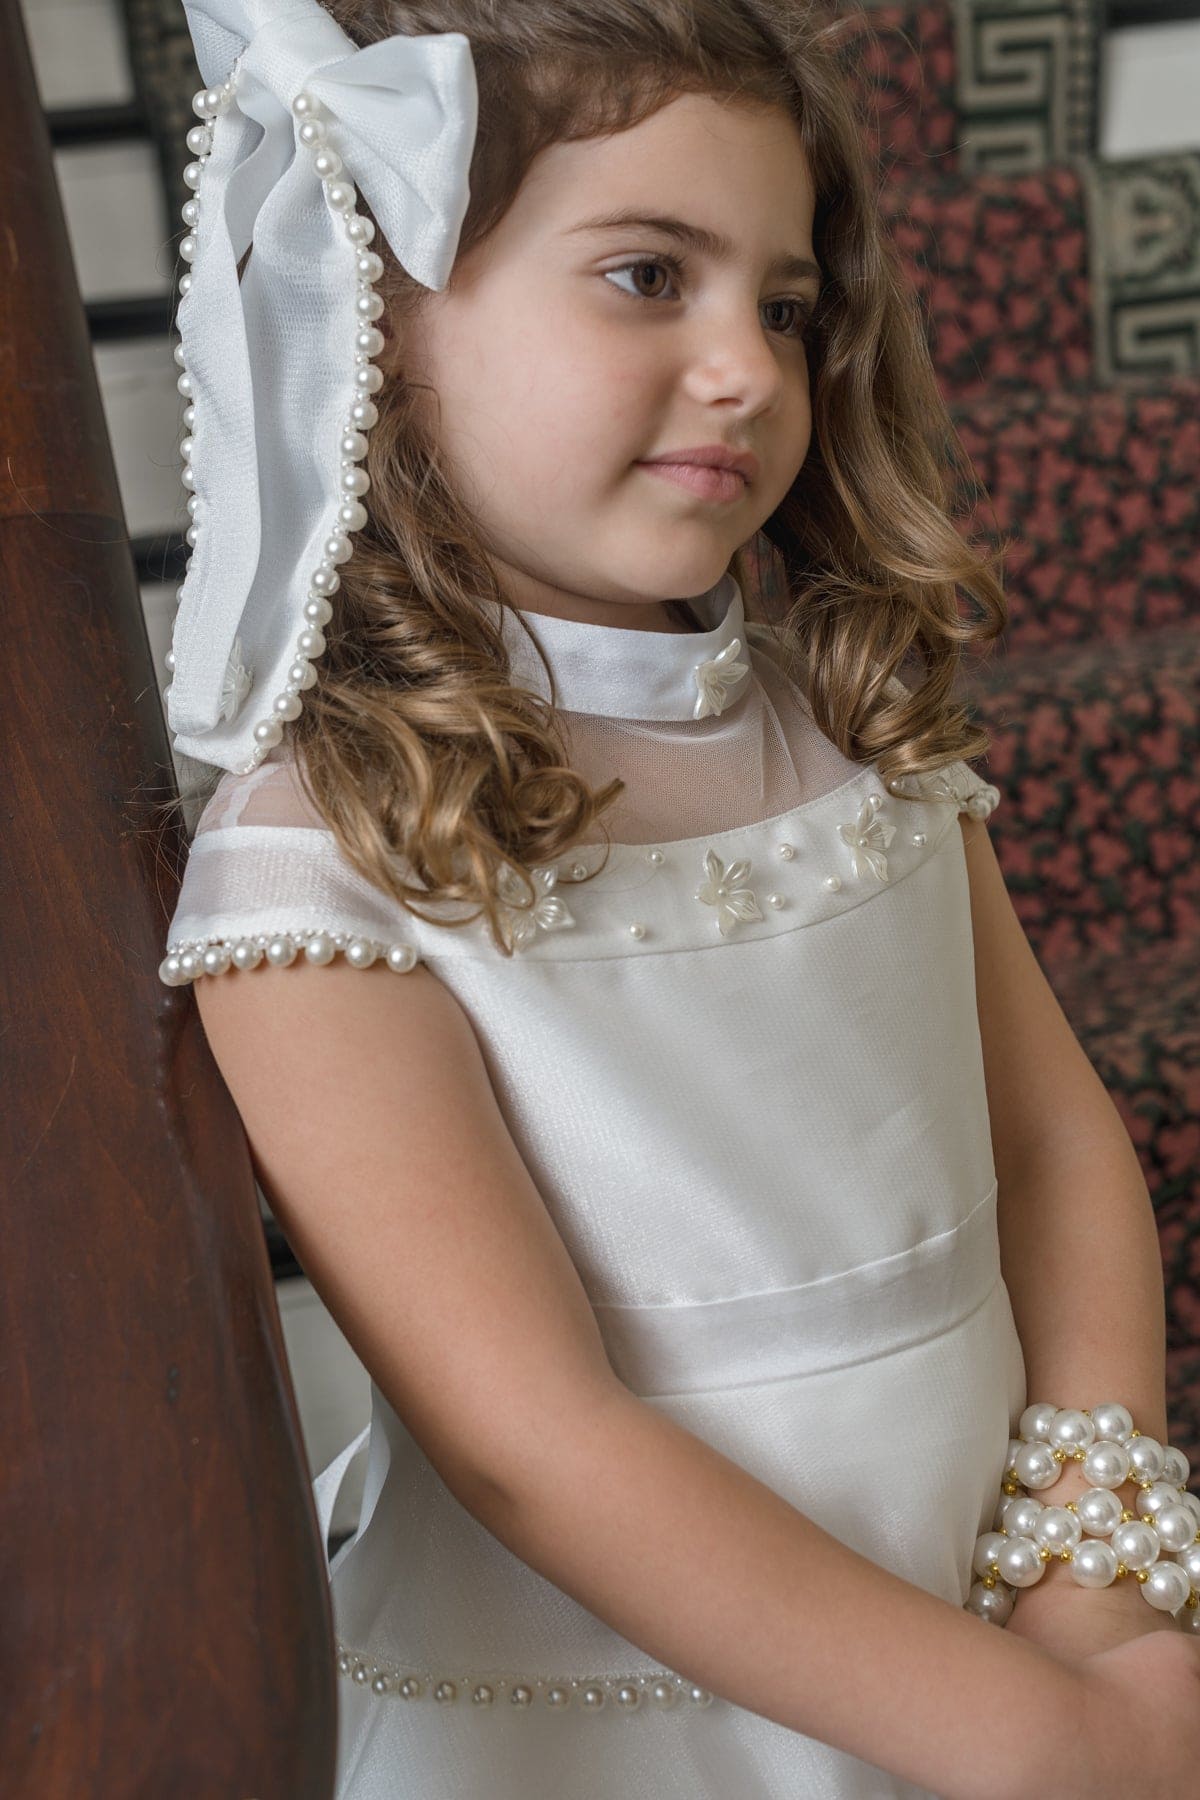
(1139, 1719)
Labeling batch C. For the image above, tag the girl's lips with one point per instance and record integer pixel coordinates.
(701, 478)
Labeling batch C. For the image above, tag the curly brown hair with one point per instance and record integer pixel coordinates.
(431, 767)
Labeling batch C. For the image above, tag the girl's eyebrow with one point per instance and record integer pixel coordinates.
(699, 238)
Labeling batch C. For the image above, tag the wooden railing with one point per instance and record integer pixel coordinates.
(165, 1626)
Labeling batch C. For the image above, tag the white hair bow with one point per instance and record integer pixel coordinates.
(277, 368)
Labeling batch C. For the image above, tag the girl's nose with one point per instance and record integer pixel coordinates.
(734, 357)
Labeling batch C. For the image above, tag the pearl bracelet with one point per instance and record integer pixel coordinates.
(1159, 1544)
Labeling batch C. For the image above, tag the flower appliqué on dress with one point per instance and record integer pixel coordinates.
(237, 683)
(715, 677)
(735, 903)
(868, 838)
(522, 923)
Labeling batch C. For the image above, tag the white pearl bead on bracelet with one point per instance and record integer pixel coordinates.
(1159, 1544)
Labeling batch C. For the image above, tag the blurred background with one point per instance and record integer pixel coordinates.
(1040, 170)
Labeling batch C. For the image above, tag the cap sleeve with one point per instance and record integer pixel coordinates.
(955, 782)
(266, 882)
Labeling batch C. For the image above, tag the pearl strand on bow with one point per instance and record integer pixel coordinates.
(362, 413)
(1030, 1534)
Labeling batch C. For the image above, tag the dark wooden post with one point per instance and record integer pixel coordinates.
(165, 1626)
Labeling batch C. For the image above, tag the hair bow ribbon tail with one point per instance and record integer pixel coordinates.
(272, 373)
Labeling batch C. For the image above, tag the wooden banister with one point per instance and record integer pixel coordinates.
(165, 1623)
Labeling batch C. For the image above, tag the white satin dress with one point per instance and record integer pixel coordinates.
(743, 1066)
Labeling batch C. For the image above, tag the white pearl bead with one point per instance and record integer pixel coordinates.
(281, 952)
(637, 931)
(1166, 1587)
(629, 1697)
(787, 852)
(369, 264)
(987, 1548)
(268, 733)
(1058, 1529)
(1147, 1457)
(445, 1690)
(1151, 1501)
(993, 1604)
(306, 105)
(247, 955)
(341, 195)
(312, 133)
(1176, 1527)
(1093, 1564)
(401, 958)
(591, 1697)
(355, 481)
(1106, 1464)
(918, 837)
(1135, 1543)
(656, 857)
(832, 882)
(1112, 1421)
(325, 579)
(327, 163)
(320, 949)
(170, 972)
(775, 900)
(311, 643)
(1071, 1429)
(558, 1696)
(215, 959)
(1176, 1467)
(483, 1695)
(1036, 1466)
(360, 952)
(360, 231)
(1189, 1560)
(286, 706)
(1099, 1511)
(1036, 1420)
(699, 1696)
(1021, 1513)
(664, 1693)
(1019, 1562)
(368, 378)
(318, 611)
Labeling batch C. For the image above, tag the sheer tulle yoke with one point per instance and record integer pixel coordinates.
(742, 1064)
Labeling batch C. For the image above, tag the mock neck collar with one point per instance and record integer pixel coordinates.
(628, 674)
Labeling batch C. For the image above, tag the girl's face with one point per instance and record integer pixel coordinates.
(564, 352)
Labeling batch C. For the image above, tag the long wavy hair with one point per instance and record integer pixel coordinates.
(440, 778)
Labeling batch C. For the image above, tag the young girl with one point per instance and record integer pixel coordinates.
(664, 1197)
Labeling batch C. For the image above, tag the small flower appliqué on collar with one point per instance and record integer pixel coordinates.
(523, 923)
(237, 683)
(868, 838)
(735, 903)
(716, 677)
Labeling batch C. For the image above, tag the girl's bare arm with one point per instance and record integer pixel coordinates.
(381, 1148)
